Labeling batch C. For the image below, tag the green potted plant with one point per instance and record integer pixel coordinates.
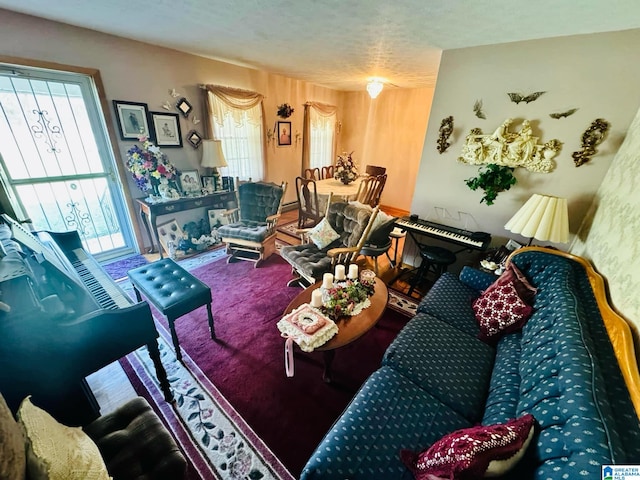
(492, 179)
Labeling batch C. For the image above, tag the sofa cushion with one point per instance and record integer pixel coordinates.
(504, 389)
(12, 445)
(258, 200)
(245, 230)
(500, 310)
(452, 366)
(513, 275)
(476, 279)
(450, 300)
(58, 452)
(475, 452)
(389, 413)
(349, 221)
(308, 259)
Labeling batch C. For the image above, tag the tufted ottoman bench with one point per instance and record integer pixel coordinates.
(173, 291)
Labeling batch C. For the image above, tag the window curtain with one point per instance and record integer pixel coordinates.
(236, 118)
(319, 140)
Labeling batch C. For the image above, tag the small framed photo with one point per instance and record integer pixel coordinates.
(167, 129)
(132, 119)
(284, 133)
(184, 106)
(209, 183)
(190, 182)
(194, 138)
(169, 232)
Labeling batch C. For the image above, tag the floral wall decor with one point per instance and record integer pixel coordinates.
(511, 149)
(446, 129)
(592, 137)
(285, 110)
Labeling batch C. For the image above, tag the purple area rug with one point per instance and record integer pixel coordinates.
(119, 268)
(246, 364)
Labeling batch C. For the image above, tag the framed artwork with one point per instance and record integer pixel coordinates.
(284, 133)
(169, 232)
(209, 183)
(184, 106)
(190, 182)
(194, 138)
(167, 129)
(216, 219)
(132, 119)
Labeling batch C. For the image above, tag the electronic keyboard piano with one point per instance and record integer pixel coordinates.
(464, 238)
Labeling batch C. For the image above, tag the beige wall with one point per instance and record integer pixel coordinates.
(595, 73)
(388, 131)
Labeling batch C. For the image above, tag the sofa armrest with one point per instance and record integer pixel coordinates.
(477, 279)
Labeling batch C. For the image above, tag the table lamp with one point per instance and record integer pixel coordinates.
(213, 158)
(543, 217)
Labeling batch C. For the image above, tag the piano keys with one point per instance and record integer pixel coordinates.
(464, 238)
(72, 320)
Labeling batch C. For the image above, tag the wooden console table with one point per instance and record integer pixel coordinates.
(149, 212)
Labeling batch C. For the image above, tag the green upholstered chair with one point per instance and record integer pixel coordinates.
(251, 234)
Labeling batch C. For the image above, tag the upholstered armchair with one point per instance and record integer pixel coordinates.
(318, 253)
(251, 233)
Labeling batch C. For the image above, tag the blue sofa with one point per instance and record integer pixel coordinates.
(437, 377)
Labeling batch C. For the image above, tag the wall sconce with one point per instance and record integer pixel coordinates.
(374, 87)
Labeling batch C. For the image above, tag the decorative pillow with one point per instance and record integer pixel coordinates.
(500, 310)
(322, 234)
(512, 274)
(474, 452)
(58, 452)
(12, 449)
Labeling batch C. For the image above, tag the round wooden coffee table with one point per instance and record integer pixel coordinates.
(349, 328)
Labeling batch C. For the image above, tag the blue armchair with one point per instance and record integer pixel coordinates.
(251, 234)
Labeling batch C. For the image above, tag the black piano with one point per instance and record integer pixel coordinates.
(62, 318)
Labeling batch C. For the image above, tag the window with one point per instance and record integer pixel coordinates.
(236, 119)
(322, 129)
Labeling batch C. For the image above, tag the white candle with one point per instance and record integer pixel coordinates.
(327, 280)
(353, 272)
(316, 298)
(339, 272)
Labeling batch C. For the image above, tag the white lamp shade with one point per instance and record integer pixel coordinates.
(374, 87)
(212, 154)
(543, 217)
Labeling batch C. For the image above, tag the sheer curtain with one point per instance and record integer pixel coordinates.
(318, 148)
(236, 118)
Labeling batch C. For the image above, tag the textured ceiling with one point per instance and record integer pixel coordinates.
(336, 43)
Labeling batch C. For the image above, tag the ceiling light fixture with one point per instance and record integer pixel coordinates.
(374, 87)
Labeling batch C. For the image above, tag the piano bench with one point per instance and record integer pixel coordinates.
(173, 291)
(435, 259)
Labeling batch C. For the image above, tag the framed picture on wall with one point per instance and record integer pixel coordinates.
(132, 119)
(167, 129)
(194, 138)
(284, 133)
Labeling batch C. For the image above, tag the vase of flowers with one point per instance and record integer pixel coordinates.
(345, 170)
(148, 166)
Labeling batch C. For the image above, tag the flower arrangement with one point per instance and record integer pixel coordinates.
(343, 298)
(148, 165)
(346, 170)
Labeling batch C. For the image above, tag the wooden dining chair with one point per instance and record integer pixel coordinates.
(370, 189)
(308, 206)
(374, 170)
(312, 173)
(328, 171)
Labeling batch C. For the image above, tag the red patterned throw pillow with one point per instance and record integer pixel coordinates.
(500, 310)
(474, 452)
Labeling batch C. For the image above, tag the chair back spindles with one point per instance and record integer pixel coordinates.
(374, 170)
(328, 172)
(308, 205)
(370, 189)
(312, 173)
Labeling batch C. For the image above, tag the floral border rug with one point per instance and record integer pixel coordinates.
(204, 423)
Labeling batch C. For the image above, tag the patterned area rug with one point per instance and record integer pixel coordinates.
(289, 229)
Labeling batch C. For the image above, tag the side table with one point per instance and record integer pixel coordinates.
(149, 212)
